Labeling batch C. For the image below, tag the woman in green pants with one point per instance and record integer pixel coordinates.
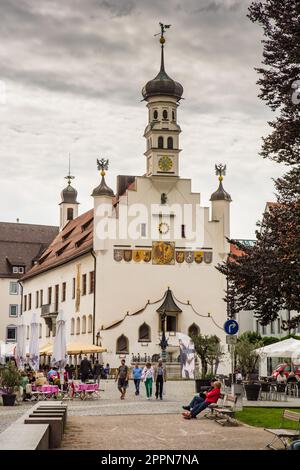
(148, 377)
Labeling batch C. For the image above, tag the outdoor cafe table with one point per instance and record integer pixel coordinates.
(86, 389)
(45, 390)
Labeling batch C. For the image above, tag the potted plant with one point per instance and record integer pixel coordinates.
(10, 379)
(208, 349)
(247, 361)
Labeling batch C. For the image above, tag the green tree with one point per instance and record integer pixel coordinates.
(208, 348)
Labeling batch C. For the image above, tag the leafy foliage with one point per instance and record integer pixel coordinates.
(208, 348)
(246, 358)
(10, 378)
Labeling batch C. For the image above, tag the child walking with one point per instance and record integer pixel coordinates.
(148, 377)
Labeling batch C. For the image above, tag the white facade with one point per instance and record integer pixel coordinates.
(10, 306)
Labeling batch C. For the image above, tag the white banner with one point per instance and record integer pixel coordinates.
(187, 356)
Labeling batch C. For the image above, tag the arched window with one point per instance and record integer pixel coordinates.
(173, 115)
(144, 332)
(72, 326)
(83, 328)
(78, 326)
(122, 345)
(90, 324)
(155, 114)
(160, 142)
(193, 330)
(170, 142)
(165, 114)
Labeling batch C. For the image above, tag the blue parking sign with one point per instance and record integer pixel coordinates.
(231, 327)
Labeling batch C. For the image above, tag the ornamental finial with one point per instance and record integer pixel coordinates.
(69, 177)
(220, 171)
(163, 28)
(102, 165)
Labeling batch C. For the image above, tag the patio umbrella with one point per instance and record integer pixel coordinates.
(21, 345)
(59, 355)
(286, 348)
(34, 343)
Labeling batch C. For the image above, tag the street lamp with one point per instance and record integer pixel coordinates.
(97, 338)
(163, 342)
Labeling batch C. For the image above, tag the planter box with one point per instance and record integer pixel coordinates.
(8, 400)
(252, 391)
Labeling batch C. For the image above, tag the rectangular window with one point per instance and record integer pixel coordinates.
(143, 230)
(13, 310)
(29, 301)
(11, 333)
(171, 323)
(63, 293)
(25, 303)
(21, 270)
(92, 282)
(73, 288)
(13, 288)
(56, 298)
(41, 297)
(83, 284)
(182, 231)
(272, 327)
(47, 331)
(37, 299)
(49, 295)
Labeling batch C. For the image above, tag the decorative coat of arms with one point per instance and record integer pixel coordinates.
(137, 255)
(180, 256)
(207, 257)
(163, 253)
(189, 256)
(127, 255)
(118, 255)
(147, 256)
(198, 255)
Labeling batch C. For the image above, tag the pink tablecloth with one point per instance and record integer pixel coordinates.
(87, 388)
(46, 388)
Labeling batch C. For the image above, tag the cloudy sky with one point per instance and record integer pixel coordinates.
(71, 79)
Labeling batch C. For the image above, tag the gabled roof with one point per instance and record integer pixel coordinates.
(75, 239)
(22, 244)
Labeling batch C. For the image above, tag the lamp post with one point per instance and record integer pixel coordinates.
(163, 342)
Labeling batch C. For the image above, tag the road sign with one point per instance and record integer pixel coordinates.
(231, 327)
(231, 339)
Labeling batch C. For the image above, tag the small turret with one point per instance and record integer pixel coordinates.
(68, 204)
(220, 210)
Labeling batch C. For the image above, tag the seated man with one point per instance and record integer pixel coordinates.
(198, 403)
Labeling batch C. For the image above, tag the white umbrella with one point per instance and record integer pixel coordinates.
(21, 344)
(59, 356)
(34, 350)
(286, 348)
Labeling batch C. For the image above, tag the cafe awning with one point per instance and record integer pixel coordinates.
(73, 349)
(286, 348)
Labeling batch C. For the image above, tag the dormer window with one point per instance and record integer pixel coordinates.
(18, 270)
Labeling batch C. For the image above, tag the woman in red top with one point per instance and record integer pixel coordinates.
(198, 404)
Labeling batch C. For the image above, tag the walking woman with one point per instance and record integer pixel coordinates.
(160, 376)
(148, 377)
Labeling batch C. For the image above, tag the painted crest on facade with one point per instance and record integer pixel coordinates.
(146, 256)
(189, 256)
(180, 256)
(127, 255)
(198, 256)
(118, 255)
(207, 257)
(137, 255)
(163, 253)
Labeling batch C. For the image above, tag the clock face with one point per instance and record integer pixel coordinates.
(165, 163)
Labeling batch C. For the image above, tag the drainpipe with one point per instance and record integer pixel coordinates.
(94, 300)
(21, 310)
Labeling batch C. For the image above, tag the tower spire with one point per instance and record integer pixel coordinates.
(69, 177)
(162, 41)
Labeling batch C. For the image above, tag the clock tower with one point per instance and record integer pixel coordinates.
(162, 132)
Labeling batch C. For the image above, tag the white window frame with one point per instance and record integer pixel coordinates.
(15, 270)
(21, 270)
(11, 327)
(12, 283)
(17, 310)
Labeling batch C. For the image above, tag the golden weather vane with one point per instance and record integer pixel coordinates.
(163, 28)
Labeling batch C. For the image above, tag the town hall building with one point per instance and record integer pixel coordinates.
(143, 258)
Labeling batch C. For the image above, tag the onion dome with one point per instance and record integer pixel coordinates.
(102, 189)
(69, 194)
(162, 84)
(220, 194)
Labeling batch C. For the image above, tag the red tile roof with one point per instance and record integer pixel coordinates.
(73, 241)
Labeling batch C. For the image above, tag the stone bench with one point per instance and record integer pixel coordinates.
(17, 437)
